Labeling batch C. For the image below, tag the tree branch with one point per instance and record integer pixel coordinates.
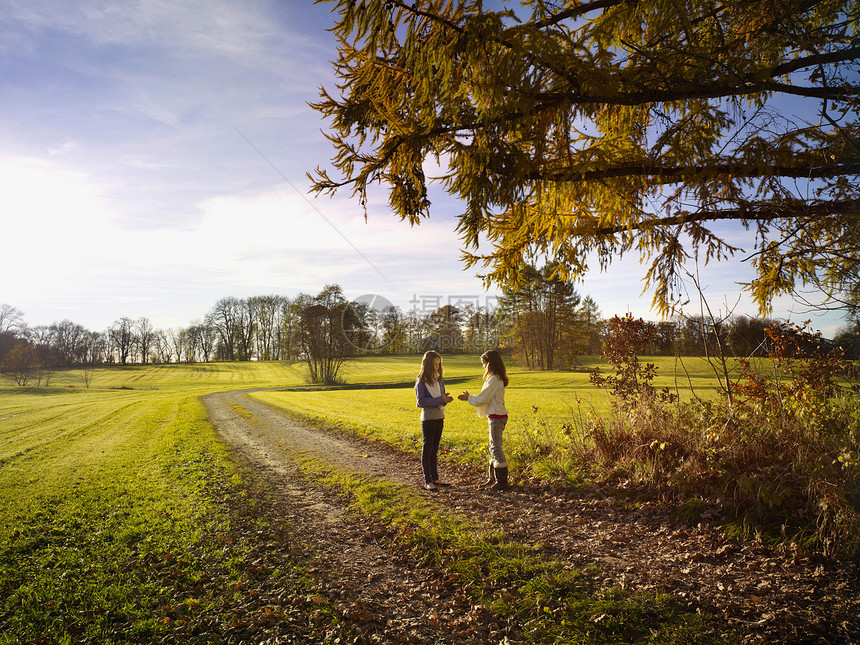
(679, 173)
(759, 213)
(581, 10)
(655, 95)
(839, 56)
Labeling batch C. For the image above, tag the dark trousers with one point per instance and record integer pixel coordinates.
(432, 433)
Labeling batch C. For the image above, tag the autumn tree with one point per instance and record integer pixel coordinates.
(225, 317)
(327, 320)
(627, 339)
(46, 355)
(246, 325)
(589, 130)
(123, 339)
(413, 329)
(544, 310)
(848, 338)
(588, 318)
(20, 362)
(12, 328)
(67, 339)
(365, 336)
(666, 337)
(391, 328)
(10, 319)
(95, 345)
(444, 331)
(748, 336)
(147, 337)
(269, 311)
(288, 334)
(202, 337)
(7, 342)
(482, 329)
(693, 334)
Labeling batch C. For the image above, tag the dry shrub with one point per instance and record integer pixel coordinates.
(783, 454)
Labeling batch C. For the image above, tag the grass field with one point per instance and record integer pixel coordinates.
(113, 503)
(115, 498)
(378, 399)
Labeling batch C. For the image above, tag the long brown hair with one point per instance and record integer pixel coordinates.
(427, 373)
(495, 365)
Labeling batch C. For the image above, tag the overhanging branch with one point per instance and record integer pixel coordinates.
(670, 174)
(752, 213)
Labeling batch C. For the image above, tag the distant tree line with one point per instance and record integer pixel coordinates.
(322, 330)
(542, 322)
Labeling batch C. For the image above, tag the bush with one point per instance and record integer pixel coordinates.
(781, 455)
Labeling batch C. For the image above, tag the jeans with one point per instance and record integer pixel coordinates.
(497, 455)
(432, 434)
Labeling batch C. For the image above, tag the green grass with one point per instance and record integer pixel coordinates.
(207, 377)
(116, 506)
(378, 399)
(118, 502)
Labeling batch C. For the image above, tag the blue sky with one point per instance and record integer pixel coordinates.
(153, 157)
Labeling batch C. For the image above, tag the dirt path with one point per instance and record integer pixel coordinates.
(379, 590)
(784, 598)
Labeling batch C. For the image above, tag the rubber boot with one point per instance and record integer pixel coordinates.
(501, 479)
(491, 476)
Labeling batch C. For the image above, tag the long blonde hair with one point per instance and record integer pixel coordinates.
(495, 365)
(427, 373)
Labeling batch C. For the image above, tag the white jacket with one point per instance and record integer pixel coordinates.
(491, 400)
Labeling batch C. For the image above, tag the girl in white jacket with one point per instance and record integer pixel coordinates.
(490, 403)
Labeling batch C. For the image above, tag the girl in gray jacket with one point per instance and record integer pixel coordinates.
(432, 399)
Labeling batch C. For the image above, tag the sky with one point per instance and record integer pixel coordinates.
(153, 157)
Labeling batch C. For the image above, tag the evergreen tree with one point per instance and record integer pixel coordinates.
(544, 309)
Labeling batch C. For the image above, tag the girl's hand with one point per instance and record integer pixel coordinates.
(447, 398)
(464, 396)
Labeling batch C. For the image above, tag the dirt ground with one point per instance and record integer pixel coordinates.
(778, 597)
